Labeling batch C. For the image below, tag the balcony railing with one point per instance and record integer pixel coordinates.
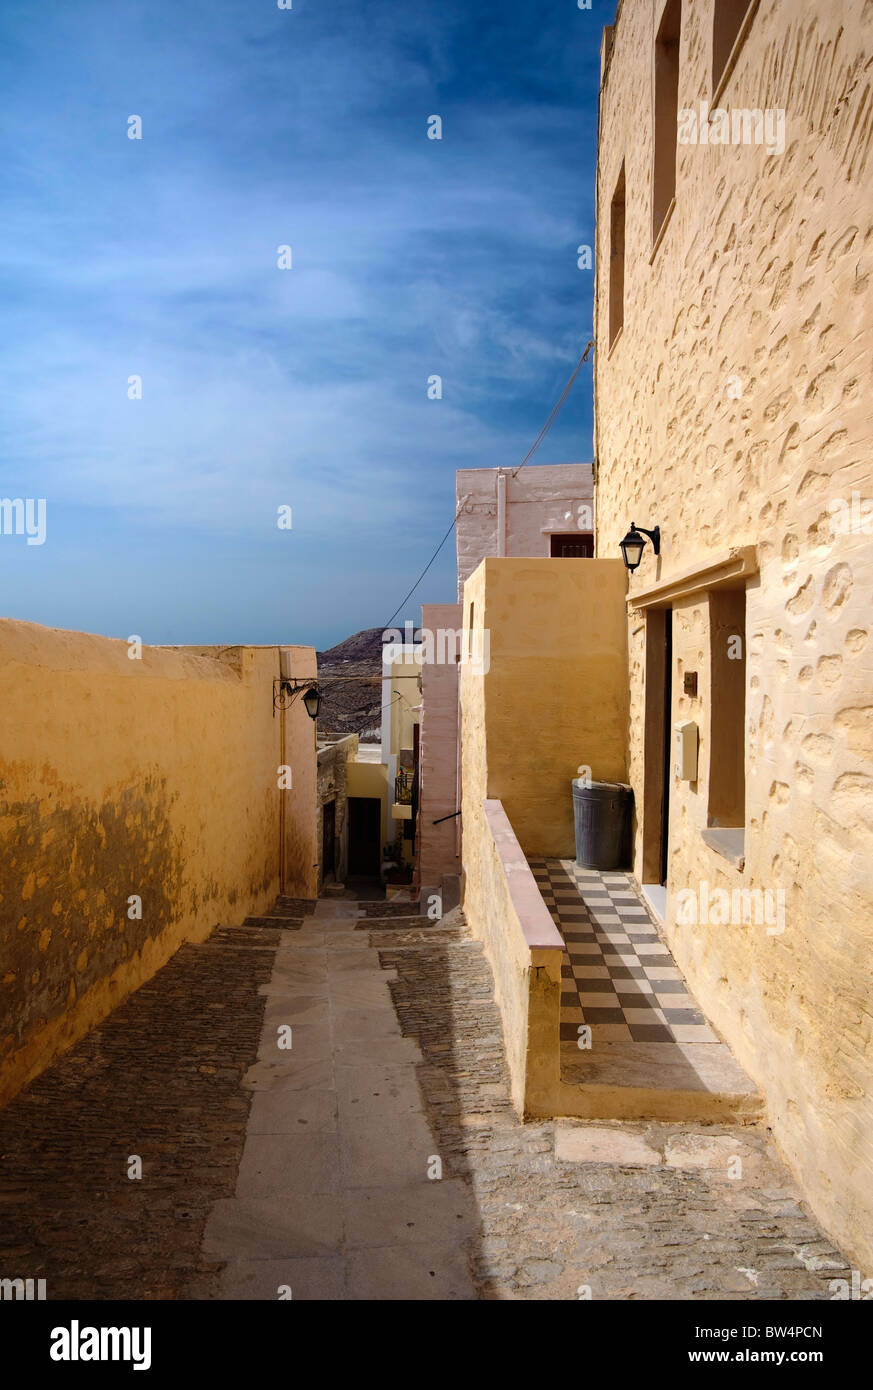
(403, 788)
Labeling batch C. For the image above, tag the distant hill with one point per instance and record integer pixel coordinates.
(363, 646)
(352, 705)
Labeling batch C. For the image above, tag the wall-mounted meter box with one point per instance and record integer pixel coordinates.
(685, 751)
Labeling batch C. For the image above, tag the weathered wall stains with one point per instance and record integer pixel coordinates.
(71, 868)
(155, 778)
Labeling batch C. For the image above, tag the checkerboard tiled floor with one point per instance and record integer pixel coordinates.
(618, 976)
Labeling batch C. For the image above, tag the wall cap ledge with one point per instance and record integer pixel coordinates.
(729, 572)
(540, 932)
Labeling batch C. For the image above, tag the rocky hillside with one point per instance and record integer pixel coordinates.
(350, 679)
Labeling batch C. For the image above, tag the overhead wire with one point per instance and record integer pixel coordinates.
(515, 472)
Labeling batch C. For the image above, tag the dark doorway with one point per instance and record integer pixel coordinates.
(328, 840)
(365, 836)
(578, 543)
(668, 746)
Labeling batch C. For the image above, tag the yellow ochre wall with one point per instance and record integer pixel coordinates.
(734, 410)
(555, 694)
(155, 777)
(371, 780)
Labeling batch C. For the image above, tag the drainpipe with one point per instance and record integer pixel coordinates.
(501, 512)
(282, 879)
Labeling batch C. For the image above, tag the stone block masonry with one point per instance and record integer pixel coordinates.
(733, 411)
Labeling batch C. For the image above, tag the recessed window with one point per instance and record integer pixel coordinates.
(666, 113)
(616, 259)
(576, 545)
(727, 639)
(728, 19)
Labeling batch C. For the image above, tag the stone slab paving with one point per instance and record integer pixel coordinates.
(333, 1198)
(571, 1209)
(312, 1169)
(159, 1078)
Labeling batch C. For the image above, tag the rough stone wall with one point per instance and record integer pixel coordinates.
(438, 753)
(540, 499)
(733, 409)
(155, 778)
(333, 786)
(299, 865)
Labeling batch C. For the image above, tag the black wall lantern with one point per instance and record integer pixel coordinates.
(285, 692)
(634, 544)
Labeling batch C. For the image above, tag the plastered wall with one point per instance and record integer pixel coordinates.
(154, 778)
(733, 410)
(438, 751)
(540, 499)
(555, 693)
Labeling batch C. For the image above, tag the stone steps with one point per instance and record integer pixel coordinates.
(282, 921)
(388, 909)
(392, 923)
(298, 907)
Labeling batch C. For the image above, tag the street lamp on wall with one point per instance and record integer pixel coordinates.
(634, 544)
(285, 692)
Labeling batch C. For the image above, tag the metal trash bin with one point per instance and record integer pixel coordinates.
(601, 813)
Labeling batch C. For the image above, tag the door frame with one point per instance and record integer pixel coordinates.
(657, 745)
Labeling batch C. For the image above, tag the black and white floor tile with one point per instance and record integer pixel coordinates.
(618, 976)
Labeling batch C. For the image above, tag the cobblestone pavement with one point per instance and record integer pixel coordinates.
(666, 1223)
(159, 1078)
(310, 1167)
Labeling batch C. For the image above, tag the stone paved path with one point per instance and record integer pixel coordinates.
(309, 1169)
(661, 1220)
(333, 1198)
(160, 1078)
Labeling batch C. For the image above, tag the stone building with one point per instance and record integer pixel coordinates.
(734, 338)
(543, 509)
(539, 511)
(332, 827)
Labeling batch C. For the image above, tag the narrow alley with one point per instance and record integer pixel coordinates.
(377, 1157)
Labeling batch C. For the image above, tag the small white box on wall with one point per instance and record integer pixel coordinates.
(685, 751)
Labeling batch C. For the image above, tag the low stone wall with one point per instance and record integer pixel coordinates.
(139, 808)
(506, 913)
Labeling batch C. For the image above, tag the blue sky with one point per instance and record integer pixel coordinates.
(157, 257)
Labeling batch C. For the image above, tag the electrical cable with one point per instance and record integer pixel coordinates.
(531, 451)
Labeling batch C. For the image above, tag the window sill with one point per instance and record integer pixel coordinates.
(615, 342)
(729, 842)
(656, 245)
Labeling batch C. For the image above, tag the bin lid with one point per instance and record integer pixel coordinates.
(581, 786)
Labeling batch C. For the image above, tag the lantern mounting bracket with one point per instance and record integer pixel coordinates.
(286, 690)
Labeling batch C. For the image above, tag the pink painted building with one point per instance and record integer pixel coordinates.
(439, 793)
(539, 510)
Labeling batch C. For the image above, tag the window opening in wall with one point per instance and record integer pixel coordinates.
(616, 259)
(727, 776)
(576, 543)
(728, 19)
(666, 113)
